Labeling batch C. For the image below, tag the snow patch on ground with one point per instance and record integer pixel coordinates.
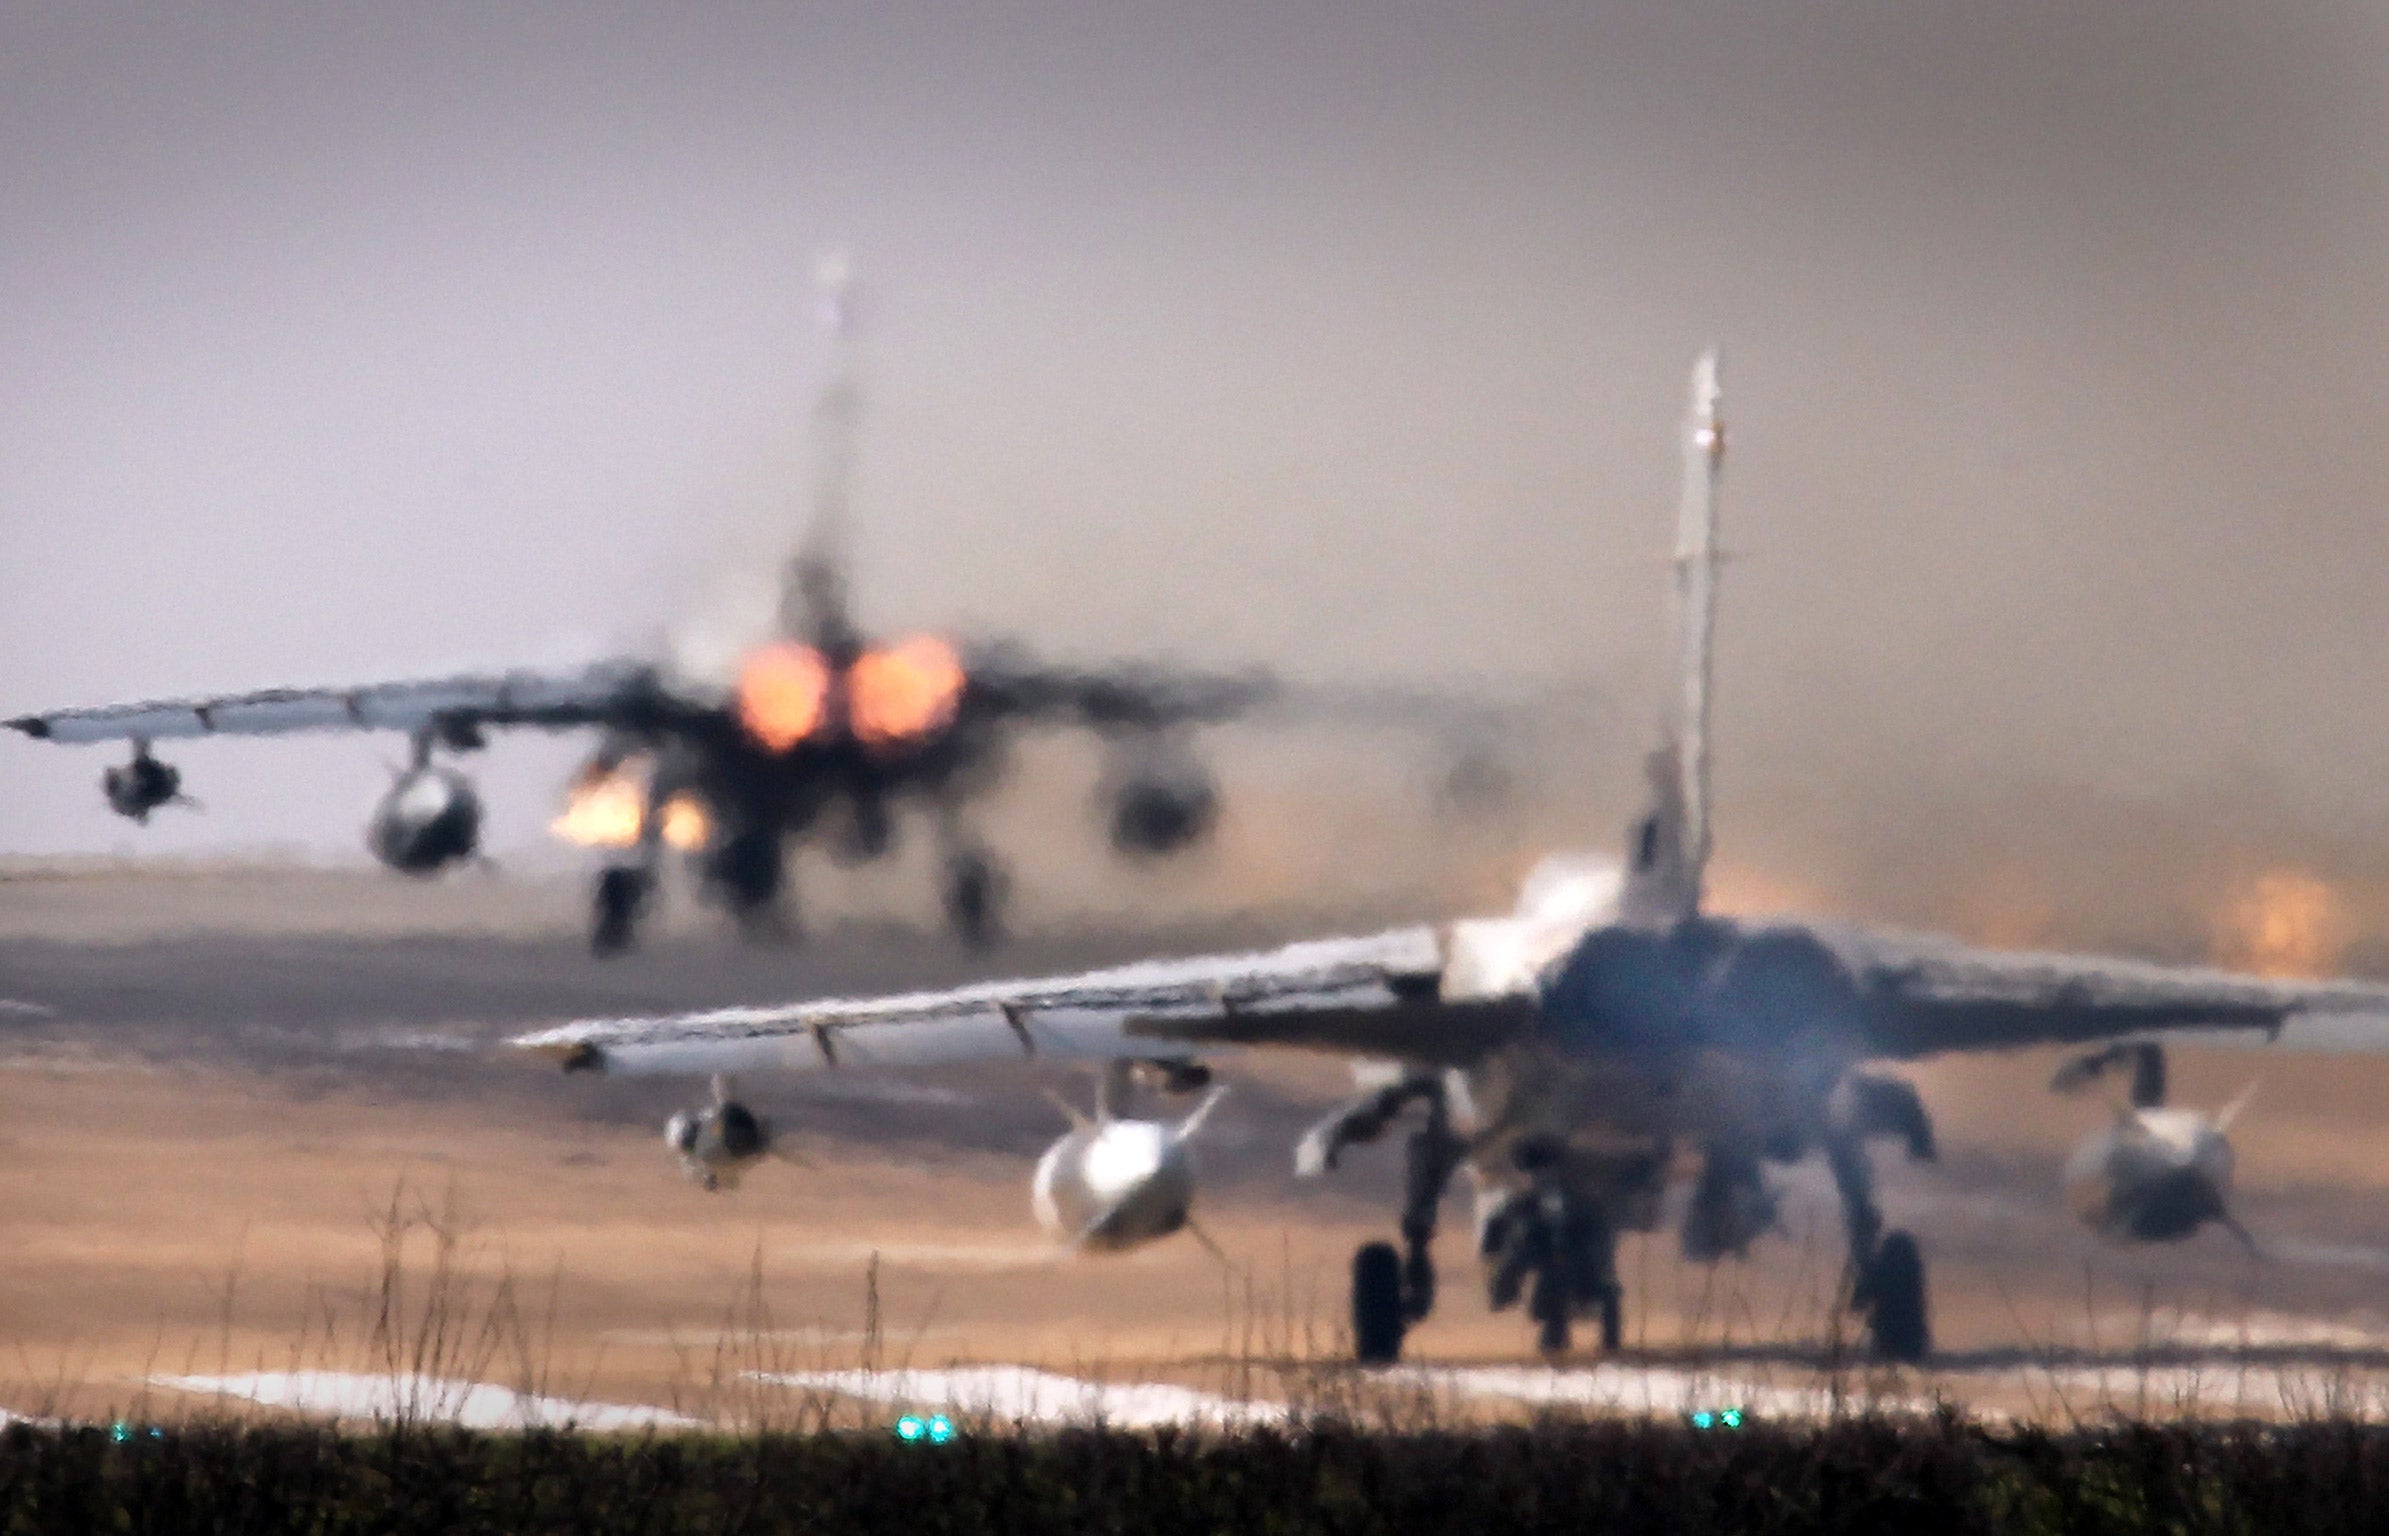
(471, 1404)
(816, 1336)
(2167, 1391)
(2333, 1255)
(1645, 1389)
(1007, 1394)
(2274, 1329)
(2256, 1330)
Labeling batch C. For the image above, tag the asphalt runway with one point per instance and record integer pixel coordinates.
(227, 1103)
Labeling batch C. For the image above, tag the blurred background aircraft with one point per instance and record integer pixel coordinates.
(810, 731)
(1285, 333)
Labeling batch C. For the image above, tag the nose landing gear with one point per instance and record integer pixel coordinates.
(621, 896)
(1550, 1244)
(975, 889)
(1558, 1248)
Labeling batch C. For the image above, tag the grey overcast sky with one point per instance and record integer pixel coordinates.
(338, 341)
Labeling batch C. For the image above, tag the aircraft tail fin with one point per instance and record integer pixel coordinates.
(1670, 849)
(813, 604)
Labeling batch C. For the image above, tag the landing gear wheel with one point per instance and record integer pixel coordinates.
(1613, 1319)
(1418, 1285)
(745, 870)
(621, 896)
(1508, 1277)
(1891, 1294)
(1547, 1304)
(1377, 1304)
(975, 898)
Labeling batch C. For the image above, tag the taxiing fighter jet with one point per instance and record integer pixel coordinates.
(1572, 1057)
(818, 731)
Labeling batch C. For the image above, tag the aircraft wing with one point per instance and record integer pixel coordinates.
(1926, 995)
(1127, 697)
(1367, 996)
(1377, 996)
(613, 692)
(1140, 695)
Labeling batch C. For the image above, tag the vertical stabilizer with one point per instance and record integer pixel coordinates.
(1696, 608)
(1671, 844)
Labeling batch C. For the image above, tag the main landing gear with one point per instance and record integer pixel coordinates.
(1553, 1243)
(1546, 1245)
(1392, 1288)
(1889, 1292)
(1886, 1269)
(1378, 1322)
(1549, 1245)
(1556, 1246)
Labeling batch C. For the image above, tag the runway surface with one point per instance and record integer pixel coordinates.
(234, 1106)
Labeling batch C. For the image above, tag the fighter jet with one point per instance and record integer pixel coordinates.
(816, 731)
(1573, 1057)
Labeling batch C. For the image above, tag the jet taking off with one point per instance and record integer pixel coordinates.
(1574, 1056)
(816, 732)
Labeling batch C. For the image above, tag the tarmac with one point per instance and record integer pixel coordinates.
(252, 1127)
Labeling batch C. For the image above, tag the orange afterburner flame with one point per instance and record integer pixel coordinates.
(602, 811)
(782, 692)
(905, 692)
(2287, 923)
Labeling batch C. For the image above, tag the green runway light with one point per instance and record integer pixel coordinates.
(1715, 1418)
(935, 1428)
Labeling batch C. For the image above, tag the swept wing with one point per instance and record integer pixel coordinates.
(635, 695)
(1925, 995)
(1374, 995)
(609, 692)
(1382, 996)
